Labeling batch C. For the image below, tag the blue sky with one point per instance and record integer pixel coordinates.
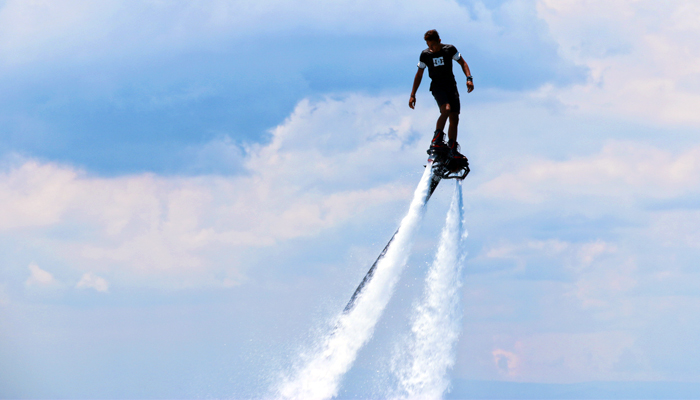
(190, 190)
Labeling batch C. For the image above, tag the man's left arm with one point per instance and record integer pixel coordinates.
(468, 73)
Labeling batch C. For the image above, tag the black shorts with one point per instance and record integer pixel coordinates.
(447, 96)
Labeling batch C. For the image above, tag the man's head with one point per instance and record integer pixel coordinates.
(433, 40)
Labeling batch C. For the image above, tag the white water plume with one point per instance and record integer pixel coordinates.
(320, 376)
(422, 368)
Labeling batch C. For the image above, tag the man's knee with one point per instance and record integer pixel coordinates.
(454, 117)
(445, 110)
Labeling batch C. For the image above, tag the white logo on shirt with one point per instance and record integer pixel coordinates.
(437, 61)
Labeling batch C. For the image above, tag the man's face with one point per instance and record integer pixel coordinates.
(434, 45)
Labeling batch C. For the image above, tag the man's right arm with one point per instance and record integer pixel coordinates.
(416, 83)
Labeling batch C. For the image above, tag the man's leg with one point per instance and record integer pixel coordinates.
(455, 106)
(442, 119)
(452, 131)
(452, 135)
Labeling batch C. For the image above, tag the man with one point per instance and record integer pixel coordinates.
(438, 58)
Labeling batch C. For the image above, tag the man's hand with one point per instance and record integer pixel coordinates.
(416, 83)
(470, 86)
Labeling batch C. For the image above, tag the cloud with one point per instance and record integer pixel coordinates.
(90, 280)
(35, 195)
(604, 283)
(39, 277)
(596, 273)
(77, 32)
(675, 228)
(46, 30)
(330, 162)
(563, 356)
(575, 256)
(623, 170)
(643, 61)
(506, 362)
(177, 231)
(155, 81)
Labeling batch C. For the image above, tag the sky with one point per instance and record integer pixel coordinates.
(191, 190)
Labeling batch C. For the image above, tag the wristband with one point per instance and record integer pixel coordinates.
(469, 79)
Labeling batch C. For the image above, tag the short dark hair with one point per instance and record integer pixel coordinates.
(431, 35)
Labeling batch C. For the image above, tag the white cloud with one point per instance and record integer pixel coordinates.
(39, 277)
(597, 273)
(643, 57)
(46, 30)
(184, 231)
(187, 230)
(602, 285)
(622, 170)
(507, 362)
(90, 280)
(565, 357)
(35, 195)
(675, 228)
(575, 256)
(584, 311)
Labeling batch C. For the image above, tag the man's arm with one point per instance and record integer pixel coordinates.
(467, 73)
(416, 83)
